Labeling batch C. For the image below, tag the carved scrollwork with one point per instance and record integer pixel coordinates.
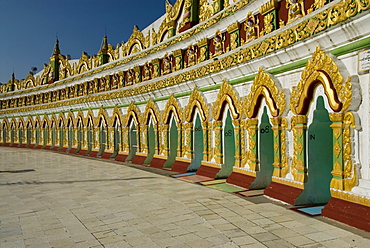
(196, 101)
(321, 69)
(264, 86)
(226, 95)
(173, 106)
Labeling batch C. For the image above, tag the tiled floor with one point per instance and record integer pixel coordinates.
(70, 201)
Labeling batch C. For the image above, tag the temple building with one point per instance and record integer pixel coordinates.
(269, 95)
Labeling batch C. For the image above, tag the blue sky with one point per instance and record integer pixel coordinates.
(28, 28)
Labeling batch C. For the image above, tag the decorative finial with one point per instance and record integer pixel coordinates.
(56, 48)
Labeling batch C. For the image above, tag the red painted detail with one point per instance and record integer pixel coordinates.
(6, 144)
(64, 149)
(187, 26)
(82, 152)
(72, 150)
(121, 157)
(37, 147)
(180, 167)
(22, 146)
(282, 192)
(207, 171)
(157, 163)
(350, 213)
(93, 154)
(106, 155)
(240, 180)
(138, 159)
(47, 147)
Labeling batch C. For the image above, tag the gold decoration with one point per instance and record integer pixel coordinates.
(295, 9)
(267, 24)
(321, 68)
(316, 5)
(251, 27)
(152, 110)
(205, 10)
(173, 106)
(136, 42)
(196, 100)
(192, 55)
(228, 96)
(269, 6)
(218, 42)
(337, 149)
(167, 64)
(132, 114)
(264, 85)
(349, 173)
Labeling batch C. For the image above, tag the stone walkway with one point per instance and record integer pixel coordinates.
(57, 200)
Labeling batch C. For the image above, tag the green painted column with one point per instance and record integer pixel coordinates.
(238, 147)
(299, 157)
(277, 130)
(206, 140)
(252, 144)
(90, 136)
(218, 152)
(189, 140)
(338, 175)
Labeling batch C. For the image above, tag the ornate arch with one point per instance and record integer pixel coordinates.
(162, 31)
(172, 105)
(54, 120)
(80, 117)
(61, 120)
(136, 42)
(321, 70)
(70, 119)
(65, 69)
(21, 122)
(196, 101)
(264, 86)
(5, 123)
(116, 115)
(37, 121)
(29, 82)
(133, 112)
(90, 116)
(13, 123)
(84, 64)
(152, 109)
(102, 115)
(29, 121)
(45, 119)
(228, 96)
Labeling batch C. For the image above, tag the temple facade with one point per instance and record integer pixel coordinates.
(270, 95)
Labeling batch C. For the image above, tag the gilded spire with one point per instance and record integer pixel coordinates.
(104, 46)
(56, 48)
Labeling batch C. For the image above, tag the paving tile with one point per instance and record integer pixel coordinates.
(71, 201)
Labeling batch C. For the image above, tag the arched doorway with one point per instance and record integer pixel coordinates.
(198, 145)
(319, 162)
(102, 136)
(70, 134)
(20, 134)
(172, 142)
(266, 153)
(79, 135)
(228, 146)
(45, 130)
(90, 136)
(132, 139)
(116, 138)
(150, 142)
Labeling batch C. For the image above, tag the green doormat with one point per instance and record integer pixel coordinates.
(217, 181)
(226, 187)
